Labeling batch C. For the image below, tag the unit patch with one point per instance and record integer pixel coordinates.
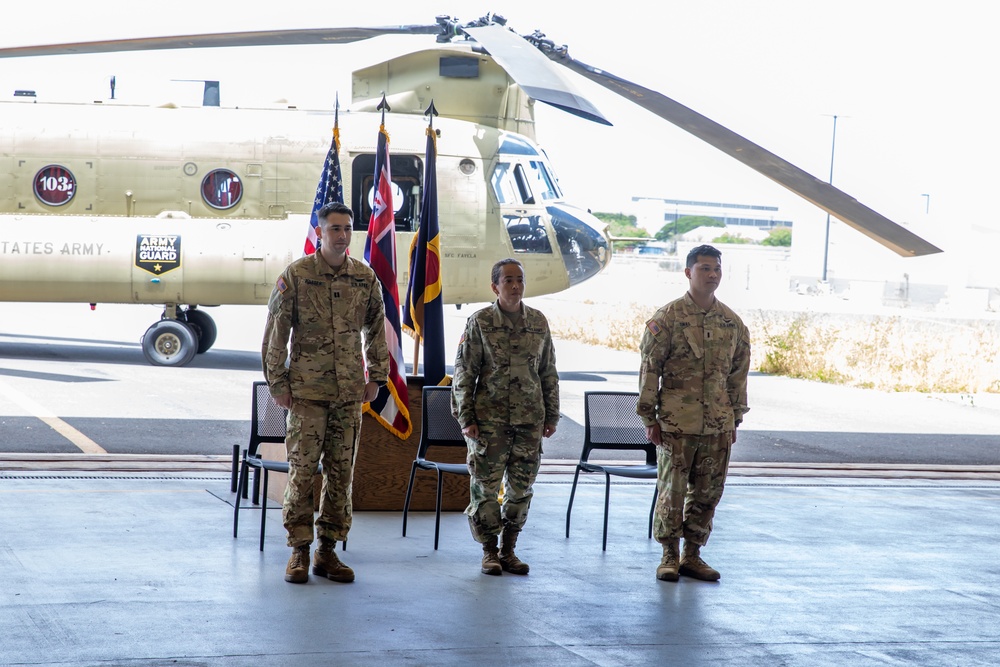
(157, 254)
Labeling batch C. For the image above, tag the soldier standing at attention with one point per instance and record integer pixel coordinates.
(692, 397)
(325, 302)
(505, 396)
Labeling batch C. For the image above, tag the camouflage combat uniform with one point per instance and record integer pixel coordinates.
(325, 311)
(506, 383)
(693, 383)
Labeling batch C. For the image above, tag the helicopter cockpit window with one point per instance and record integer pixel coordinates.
(55, 185)
(527, 234)
(523, 184)
(407, 176)
(503, 184)
(542, 182)
(521, 181)
(510, 184)
(222, 189)
(514, 145)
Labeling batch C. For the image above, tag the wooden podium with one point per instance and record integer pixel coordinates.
(383, 467)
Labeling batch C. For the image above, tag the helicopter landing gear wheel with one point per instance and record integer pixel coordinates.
(204, 328)
(169, 343)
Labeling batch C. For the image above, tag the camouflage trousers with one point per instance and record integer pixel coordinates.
(691, 475)
(503, 454)
(327, 433)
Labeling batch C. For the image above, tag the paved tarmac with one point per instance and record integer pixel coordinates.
(92, 390)
(107, 569)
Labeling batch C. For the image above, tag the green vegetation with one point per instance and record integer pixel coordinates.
(620, 225)
(685, 224)
(780, 236)
(726, 237)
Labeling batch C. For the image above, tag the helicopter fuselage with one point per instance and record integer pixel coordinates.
(188, 207)
(226, 196)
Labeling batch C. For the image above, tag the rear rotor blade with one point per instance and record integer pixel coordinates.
(533, 71)
(835, 202)
(223, 39)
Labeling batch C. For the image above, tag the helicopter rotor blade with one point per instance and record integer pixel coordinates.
(292, 37)
(530, 68)
(532, 71)
(820, 193)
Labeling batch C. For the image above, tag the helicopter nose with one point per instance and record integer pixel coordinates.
(582, 240)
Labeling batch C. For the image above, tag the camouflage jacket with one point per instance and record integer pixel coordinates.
(506, 374)
(693, 378)
(325, 311)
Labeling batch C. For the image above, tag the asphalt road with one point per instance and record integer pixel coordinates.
(73, 380)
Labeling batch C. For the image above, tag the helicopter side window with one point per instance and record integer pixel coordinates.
(407, 176)
(221, 189)
(55, 185)
(527, 234)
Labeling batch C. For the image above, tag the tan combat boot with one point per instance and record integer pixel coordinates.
(297, 570)
(669, 564)
(693, 566)
(508, 561)
(491, 558)
(326, 564)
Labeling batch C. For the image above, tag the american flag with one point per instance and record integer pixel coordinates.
(391, 406)
(329, 189)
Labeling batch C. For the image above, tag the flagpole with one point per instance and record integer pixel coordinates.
(416, 354)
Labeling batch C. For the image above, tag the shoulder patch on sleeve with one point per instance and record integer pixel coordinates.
(281, 284)
(654, 327)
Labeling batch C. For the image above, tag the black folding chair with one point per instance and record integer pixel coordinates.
(438, 428)
(611, 423)
(268, 422)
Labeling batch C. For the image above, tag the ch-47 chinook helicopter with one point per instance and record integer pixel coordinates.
(189, 207)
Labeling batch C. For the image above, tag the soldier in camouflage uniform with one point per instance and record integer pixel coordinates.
(326, 303)
(505, 396)
(692, 396)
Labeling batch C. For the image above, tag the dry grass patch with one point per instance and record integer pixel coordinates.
(891, 353)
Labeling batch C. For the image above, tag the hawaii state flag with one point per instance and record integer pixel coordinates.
(330, 188)
(391, 406)
(423, 312)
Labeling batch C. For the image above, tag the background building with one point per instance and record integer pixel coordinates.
(652, 213)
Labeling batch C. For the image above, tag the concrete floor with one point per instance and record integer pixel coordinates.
(112, 569)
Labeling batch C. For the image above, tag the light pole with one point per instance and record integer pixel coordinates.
(927, 199)
(826, 242)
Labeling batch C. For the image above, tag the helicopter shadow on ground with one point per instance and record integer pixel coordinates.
(57, 348)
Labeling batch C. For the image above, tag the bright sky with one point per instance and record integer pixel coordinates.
(910, 79)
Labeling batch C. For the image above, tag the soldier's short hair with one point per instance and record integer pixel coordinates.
(702, 251)
(498, 268)
(335, 207)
